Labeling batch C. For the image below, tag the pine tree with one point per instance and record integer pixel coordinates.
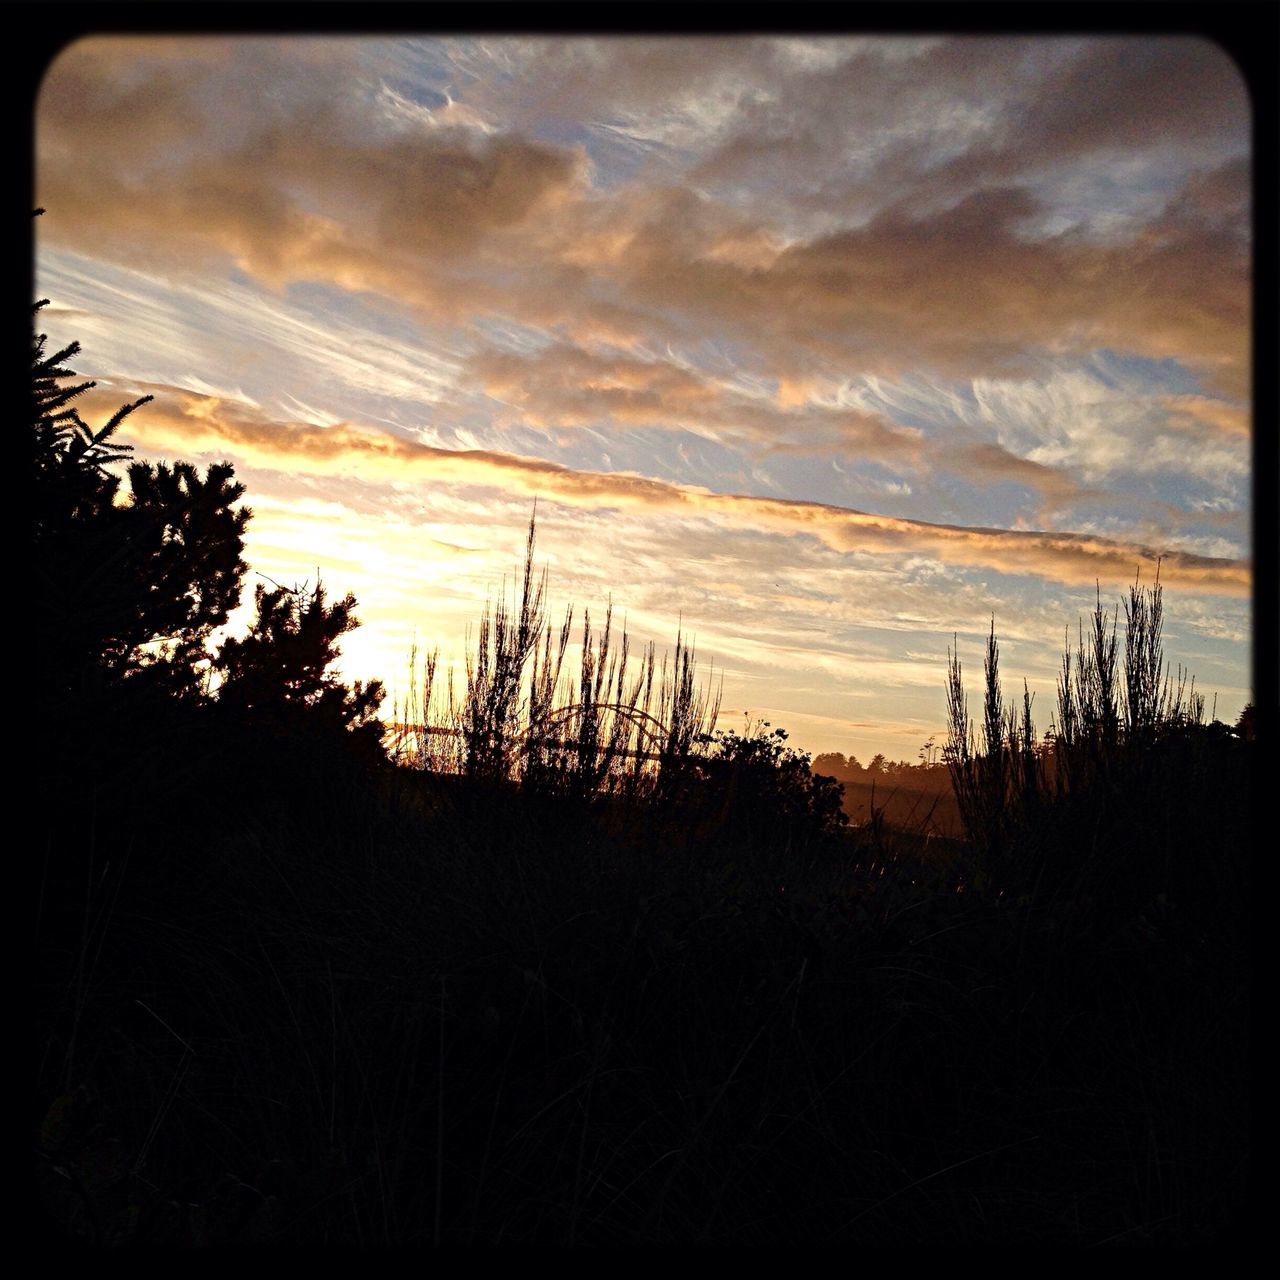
(132, 574)
(129, 578)
(280, 676)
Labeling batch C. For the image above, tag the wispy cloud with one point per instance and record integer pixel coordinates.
(461, 222)
(190, 424)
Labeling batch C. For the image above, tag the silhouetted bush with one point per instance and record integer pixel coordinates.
(1126, 794)
(765, 792)
(278, 688)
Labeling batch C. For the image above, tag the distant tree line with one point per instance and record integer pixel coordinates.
(850, 769)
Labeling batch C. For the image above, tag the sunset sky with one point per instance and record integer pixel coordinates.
(823, 349)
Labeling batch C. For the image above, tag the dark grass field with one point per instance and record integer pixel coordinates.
(927, 809)
(433, 1013)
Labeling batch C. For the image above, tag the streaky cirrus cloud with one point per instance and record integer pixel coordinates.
(190, 423)
(301, 186)
(566, 386)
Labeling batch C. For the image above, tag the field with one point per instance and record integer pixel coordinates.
(442, 1011)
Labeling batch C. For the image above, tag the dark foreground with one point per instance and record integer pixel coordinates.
(414, 1013)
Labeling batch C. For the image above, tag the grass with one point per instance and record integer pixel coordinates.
(476, 1037)
(551, 992)
(627, 728)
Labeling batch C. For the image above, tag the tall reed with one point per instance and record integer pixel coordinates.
(627, 726)
(1109, 720)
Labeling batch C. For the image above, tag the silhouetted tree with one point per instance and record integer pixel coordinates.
(834, 764)
(126, 579)
(131, 576)
(279, 676)
(1245, 725)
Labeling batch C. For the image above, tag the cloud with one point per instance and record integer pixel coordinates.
(139, 326)
(1137, 92)
(563, 385)
(1221, 417)
(567, 386)
(941, 118)
(186, 423)
(992, 462)
(675, 93)
(1110, 428)
(289, 185)
(962, 291)
(304, 184)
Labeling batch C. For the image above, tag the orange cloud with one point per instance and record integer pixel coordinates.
(459, 223)
(1221, 416)
(298, 187)
(993, 462)
(566, 386)
(184, 423)
(963, 290)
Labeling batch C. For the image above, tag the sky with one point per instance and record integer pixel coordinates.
(824, 351)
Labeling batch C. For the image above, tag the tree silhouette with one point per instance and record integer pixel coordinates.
(280, 671)
(286, 720)
(126, 578)
(1246, 725)
(131, 576)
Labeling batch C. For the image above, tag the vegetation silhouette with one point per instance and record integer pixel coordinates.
(622, 728)
(129, 581)
(277, 682)
(1129, 748)
(569, 964)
